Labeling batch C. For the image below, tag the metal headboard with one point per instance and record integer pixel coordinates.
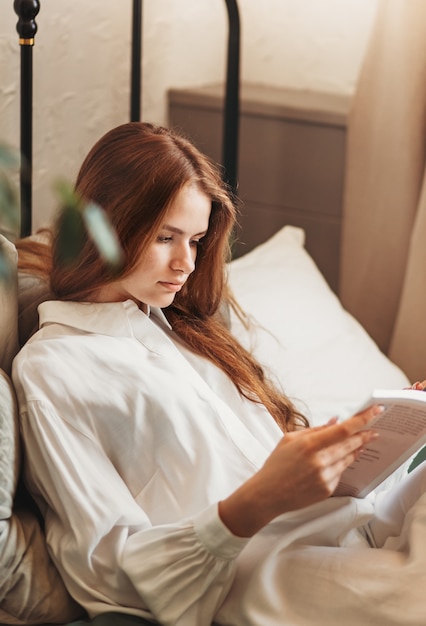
(27, 11)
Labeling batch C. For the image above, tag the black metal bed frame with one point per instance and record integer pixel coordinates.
(27, 11)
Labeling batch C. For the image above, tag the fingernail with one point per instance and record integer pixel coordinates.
(374, 434)
(379, 408)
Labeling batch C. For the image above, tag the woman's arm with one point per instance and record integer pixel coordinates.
(304, 468)
(103, 542)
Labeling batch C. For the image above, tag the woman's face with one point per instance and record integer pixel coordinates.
(165, 266)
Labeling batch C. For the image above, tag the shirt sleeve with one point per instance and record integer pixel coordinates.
(109, 554)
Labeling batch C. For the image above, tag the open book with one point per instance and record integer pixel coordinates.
(402, 429)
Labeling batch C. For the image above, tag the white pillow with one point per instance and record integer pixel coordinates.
(8, 306)
(320, 355)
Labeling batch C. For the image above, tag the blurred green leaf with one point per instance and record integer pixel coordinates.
(5, 269)
(77, 216)
(9, 202)
(103, 234)
(9, 209)
(66, 194)
(9, 158)
(70, 234)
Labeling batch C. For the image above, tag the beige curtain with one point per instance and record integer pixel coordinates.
(383, 271)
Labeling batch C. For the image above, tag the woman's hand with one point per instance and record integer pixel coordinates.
(304, 468)
(420, 386)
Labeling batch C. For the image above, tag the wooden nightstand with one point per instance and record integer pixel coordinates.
(291, 161)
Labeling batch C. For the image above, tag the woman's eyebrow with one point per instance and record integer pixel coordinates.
(178, 231)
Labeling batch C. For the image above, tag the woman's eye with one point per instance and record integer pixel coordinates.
(194, 243)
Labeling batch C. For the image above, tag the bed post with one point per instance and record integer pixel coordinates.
(232, 96)
(26, 28)
(135, 91)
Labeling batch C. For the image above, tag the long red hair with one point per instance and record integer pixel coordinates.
(134, 173)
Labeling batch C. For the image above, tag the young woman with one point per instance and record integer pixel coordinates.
(175, 481)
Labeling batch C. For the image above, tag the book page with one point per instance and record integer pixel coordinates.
(402, 430)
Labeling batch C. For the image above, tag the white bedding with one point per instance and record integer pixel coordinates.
(319, 353)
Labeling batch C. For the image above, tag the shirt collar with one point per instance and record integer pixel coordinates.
(105, 318)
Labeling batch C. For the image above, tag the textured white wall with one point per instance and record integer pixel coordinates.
(82, 64)
(317, 44)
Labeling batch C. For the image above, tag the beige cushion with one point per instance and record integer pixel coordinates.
(8, 307)
(9, 449)
(31, 590)
(32, 290)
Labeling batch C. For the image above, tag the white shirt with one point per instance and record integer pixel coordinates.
(131, 441)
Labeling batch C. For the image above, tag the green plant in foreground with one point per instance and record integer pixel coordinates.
(75, 217)
(9, 204)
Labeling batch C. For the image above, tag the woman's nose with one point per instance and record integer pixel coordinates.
(184, 261)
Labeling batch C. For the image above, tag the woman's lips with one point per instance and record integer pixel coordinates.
(172, 286)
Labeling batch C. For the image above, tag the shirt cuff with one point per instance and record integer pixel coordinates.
(215, 536)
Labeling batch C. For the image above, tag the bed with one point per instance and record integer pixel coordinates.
(314, 348)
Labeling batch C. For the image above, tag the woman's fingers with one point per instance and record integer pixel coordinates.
(304, 468)
(323, 437)
(418, 385)
(338, 457)
(330, 449)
